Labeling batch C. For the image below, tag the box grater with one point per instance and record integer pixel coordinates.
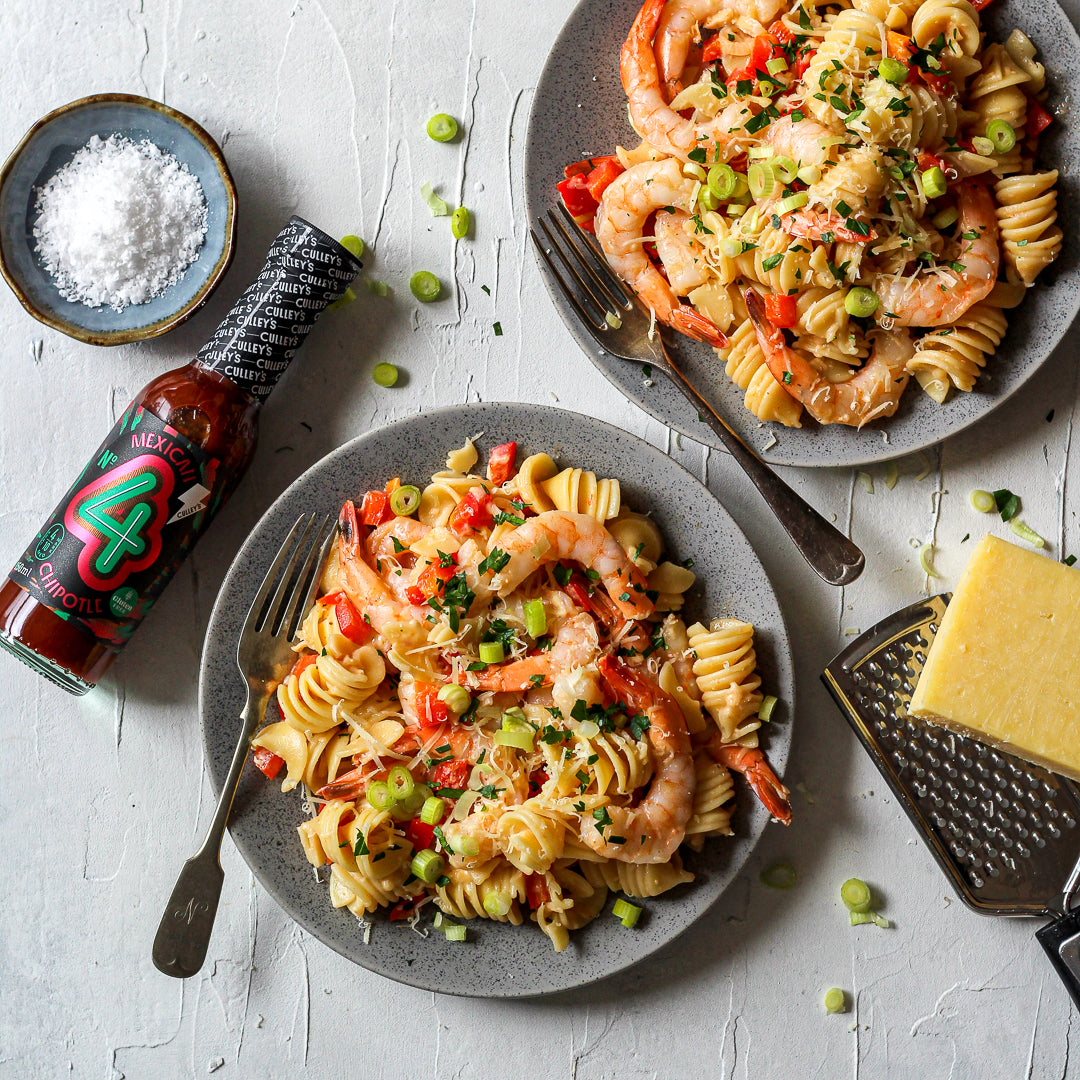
(1006, 833)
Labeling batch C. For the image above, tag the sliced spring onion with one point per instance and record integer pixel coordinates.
(380, 796)
(861, 302)
(835, 1001)
(1026, 533)
(535, 618)
(983, 147)
(856, 894)
(513, 719)
(1001, 134)
(588, 729)
(455, 932)
(768, 703)
(406, 809)
(762, 179)
(431, 813)
(926, 560)
(459, 223)
(730, 248)
(440, 922)
(793, 202)
(693, 169)
(427, 865)
(780, 875)
(612, 320)
(401, 782)
(776, 65)
(520, 740)
(860, 918)
(892, 474)
(456, 698)
(497, 904)
(786, 169)
(468, 846)
(384, 374)
(627, 913)
(405, 500)
(880, 920)
(809, 174)
(722, 180)
(491, 652)
(442, 127)
(893, 71)
(759, 153)
(946, 218)
(376, 288)
(982, 501)
(866, 482)
(425, 286)
(437, 206)
(706, 200)
(933, 182)
(353, 245)
(831, 140)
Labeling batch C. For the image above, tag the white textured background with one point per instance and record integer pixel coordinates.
(321, 109)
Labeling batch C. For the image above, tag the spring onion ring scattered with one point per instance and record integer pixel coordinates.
(353, 245)
(926, 556)
(442, 127)
(384, 374)
(1026, 533)
(425, 286)
(405, 500)
(437, 206)
(780, 875)
(856, 894)
(835, 1000)
(982, 501)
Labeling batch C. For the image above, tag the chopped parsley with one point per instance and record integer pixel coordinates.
(602, 819)
(494, 561)
(399, 547)
(639, 724)
(490, 791)
(1007, 503)
(360, 847)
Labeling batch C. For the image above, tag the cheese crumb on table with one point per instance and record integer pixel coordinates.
(1004, 666)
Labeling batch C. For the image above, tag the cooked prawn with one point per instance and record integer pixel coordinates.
(678, 29)
(576, 644)
(751, 762)
(873, 392)
(557, 534)
(651, 831)
(406, 531)
(626, 205)
(940, 296)
(359, 579)
(683, 257)
(820, 224)
(722, 136)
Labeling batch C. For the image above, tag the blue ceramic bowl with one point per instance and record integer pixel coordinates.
(48, 146)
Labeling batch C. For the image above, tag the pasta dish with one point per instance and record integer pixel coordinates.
(838, 197)
(497, 706)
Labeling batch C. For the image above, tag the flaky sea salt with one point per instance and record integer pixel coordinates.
(120, 223)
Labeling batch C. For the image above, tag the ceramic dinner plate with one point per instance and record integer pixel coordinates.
(498, 960)
(579, 110)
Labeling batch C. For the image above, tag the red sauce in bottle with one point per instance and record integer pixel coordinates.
(175, 456)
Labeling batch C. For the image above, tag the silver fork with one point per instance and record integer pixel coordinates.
(263, 656)
(608, 309)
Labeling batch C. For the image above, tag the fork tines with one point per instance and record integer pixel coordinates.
(296, 569)
(596, 293)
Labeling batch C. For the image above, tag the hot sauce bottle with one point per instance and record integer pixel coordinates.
(77, 594)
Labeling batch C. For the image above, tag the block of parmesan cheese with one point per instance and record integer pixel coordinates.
(1004, 667)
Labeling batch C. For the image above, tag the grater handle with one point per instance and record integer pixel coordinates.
(1061, 940)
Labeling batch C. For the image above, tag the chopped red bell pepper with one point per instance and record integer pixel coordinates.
(1038, 118)
(405, 909)
(537, 779)
(303, 663)
(431, 582)
(429, 709)
(267, 761)
(978, 5)
(452, 774)
(802, 61)
(351, 623)
(536, 890)
(781, 33)
(930, 161)
(420, 834)
(713, 50)
(392, 485)
(781, 310)
(375, 508)
(598, 180)
(765, 47)
(898, 46)
(501, 463)
(576, 196)
(415, 595)
(473, 512)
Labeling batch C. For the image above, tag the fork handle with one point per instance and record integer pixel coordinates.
(828, 551)
(183, 934)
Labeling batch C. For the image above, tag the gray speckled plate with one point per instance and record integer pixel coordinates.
(579, 110)
(499, 960)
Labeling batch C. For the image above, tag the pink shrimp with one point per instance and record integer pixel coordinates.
(751, 762)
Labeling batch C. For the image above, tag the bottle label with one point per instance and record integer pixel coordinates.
(119, 534)
(305, 271)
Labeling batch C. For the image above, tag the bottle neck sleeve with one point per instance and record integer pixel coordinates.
(305, 271)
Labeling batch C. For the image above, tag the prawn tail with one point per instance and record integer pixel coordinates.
(347, 786)
(348, 525)
(773, 795)
(692, 323)
(639, 41)
(771, 340)
(624, 682)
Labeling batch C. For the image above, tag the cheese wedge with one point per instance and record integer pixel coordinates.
(1004, 667)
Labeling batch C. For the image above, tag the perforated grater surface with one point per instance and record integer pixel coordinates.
(1006, 833)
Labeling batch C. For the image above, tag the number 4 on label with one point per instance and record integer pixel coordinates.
(125, 539)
